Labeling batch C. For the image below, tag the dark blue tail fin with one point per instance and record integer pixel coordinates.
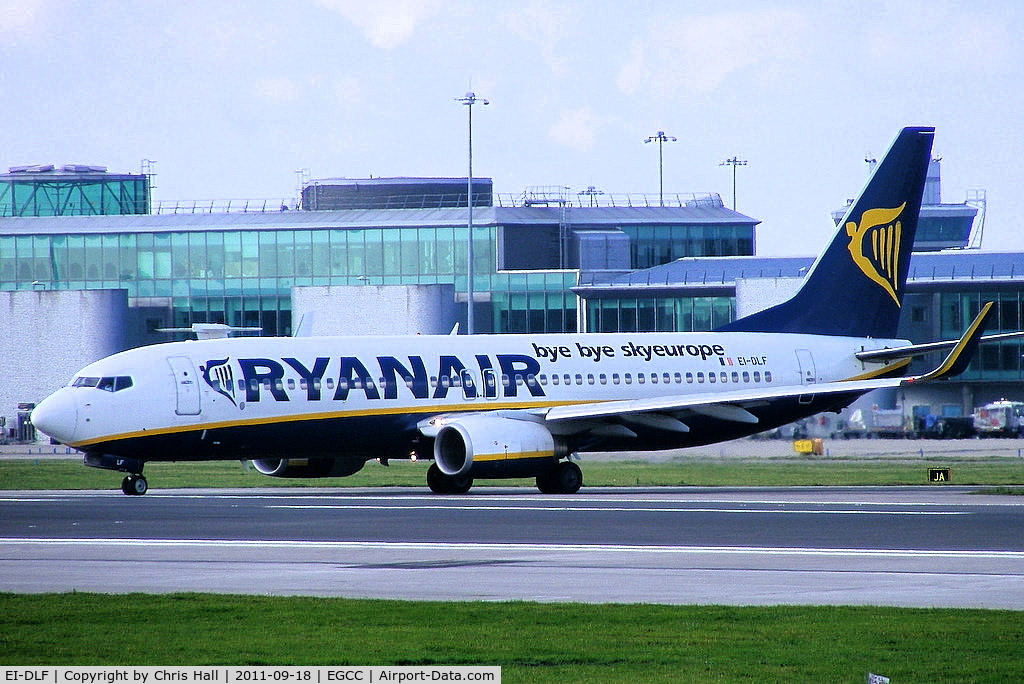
(856, 286)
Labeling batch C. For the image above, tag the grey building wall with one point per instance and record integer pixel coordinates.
(46, 336)
(757, 294)
(376, 309)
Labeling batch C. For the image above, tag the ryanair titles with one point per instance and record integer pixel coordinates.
(252, 379)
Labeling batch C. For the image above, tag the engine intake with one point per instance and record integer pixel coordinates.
(492, 446)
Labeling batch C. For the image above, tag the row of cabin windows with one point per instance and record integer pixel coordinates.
(699, 378)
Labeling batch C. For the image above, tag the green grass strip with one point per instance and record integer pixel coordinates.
(705, 472)
(531, 642)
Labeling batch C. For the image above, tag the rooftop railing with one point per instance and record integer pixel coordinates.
(455, 200)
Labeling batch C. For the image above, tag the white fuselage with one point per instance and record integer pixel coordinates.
(245, 397)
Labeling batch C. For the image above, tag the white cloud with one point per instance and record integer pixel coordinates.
(278, 90)
(941, 36)
(21, 19)
(698, 53)
(576, 128)
(385, 23)
(545, 25)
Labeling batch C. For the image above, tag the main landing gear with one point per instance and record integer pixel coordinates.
(440, 483)
(134, 485)
(564, 478)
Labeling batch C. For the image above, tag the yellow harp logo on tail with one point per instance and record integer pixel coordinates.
(875, 246)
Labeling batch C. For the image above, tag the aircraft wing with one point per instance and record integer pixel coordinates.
(732, 405)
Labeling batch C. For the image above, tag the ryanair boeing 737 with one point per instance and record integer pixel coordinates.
(499, 406)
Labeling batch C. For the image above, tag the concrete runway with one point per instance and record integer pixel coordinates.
(928, 546)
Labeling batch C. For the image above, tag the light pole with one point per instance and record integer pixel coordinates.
(734, 162)
(469, 100)
(660, 138)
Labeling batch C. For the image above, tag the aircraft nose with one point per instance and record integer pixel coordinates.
(57, 416)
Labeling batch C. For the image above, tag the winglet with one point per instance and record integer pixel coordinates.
(960, 355)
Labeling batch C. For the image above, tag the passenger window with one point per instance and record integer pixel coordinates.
(746, 376)
(666, 378)
(554, 379)
(615, 378)
(640, 378)
(757, 376)
(700, 378)
(712, 378)
(679, 378)
(689, 378)
(603, 379)
(579, 379)
(725, 377)
(735, 376)
(291, 383)
(767, 376)
(628, 378)
(654, 378)
(590, 378)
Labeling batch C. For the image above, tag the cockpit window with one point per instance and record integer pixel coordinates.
(108, 384)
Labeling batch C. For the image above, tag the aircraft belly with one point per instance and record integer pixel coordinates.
(369, 435)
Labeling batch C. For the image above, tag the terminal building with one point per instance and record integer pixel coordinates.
(388, 255)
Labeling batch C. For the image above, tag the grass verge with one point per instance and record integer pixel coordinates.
(1005, 473)
(531, 642)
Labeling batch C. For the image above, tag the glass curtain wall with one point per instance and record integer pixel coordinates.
(1000, 361)
(245, 277)
(659, 314)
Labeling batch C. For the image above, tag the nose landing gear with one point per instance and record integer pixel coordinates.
(134, 484)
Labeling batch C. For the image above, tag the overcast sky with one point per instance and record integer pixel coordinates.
(231, 98)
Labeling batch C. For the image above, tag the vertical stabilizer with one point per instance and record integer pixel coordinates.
(856, 286)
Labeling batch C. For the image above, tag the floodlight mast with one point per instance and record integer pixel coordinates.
(734, 162)
(661, 138)
(469, 100)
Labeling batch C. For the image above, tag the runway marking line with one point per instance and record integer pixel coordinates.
(609, 509)
(517, 546)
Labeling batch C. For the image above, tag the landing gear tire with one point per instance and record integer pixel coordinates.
(565, 478)
(440, 483)
(134, 485)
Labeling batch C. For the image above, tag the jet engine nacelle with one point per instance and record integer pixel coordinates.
(492, 446)
(308, 467)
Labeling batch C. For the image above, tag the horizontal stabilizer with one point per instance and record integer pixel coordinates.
(210, 331)
(960, 356)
